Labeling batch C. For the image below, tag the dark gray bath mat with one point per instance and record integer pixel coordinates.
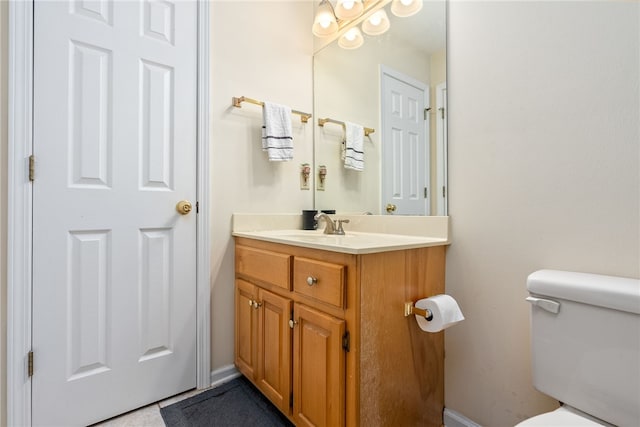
(236, 403)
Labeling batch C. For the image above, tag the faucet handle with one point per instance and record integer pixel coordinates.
(340, 230)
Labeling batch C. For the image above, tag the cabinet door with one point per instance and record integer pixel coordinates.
(274, 349)
(318, 368)
(246, 350)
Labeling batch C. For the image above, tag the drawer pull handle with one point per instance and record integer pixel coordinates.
(312, 281)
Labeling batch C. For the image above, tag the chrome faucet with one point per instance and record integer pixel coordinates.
(330, 225)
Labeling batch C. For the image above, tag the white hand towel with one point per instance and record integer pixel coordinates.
(277, 139)
(354, 146)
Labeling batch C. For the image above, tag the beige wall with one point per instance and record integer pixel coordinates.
(3, 209)
(544, 173)
(438, 75)
(261, 50)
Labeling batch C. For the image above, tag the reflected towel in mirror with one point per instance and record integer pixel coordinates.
(354, 146)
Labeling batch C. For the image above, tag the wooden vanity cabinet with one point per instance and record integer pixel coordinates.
(322, 334)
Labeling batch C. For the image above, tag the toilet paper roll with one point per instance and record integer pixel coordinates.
(445, 311)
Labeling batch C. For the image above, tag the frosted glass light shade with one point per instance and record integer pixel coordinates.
(325, 23)
(377, 23)
(349, 9)
(352, 39)
(404, 8)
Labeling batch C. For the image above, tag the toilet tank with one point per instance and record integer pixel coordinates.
(587, 354)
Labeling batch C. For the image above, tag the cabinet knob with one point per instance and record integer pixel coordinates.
(292, 323)
(312, 281)
(257, 305)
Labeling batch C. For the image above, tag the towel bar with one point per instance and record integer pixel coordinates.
(410, 309)
(321, 122)
(236, 101)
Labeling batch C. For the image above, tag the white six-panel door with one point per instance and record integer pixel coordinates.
(405, 144)
(114, 263)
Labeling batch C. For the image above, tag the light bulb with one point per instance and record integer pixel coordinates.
(348, 9)
(377, 24)
(404, 8)
(348, 4)
(324, 23)
(352, 39)
(375, 19)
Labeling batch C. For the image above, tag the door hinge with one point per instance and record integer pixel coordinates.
(197, 207)
(346, 341)
(441, 112)
(30, 364)
(444, 191)
(425, 192)
(32, 168)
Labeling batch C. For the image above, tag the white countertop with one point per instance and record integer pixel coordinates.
(399, 232)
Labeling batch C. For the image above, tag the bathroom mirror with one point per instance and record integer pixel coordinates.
(395, 83)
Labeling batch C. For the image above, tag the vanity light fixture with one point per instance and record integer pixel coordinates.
(377, 24)
(352, 39)
(404, 8)
(349, 9)
(325, 23)
(342, 22)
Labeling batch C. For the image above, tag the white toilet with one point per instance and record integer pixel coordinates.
(585, 344)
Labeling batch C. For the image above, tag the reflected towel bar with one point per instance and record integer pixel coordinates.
(304, 117)
(321, 122)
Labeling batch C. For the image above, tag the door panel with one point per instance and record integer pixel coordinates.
(246, 329)
(318, 368)
(274, 361)
(405, 168)
(114, 280)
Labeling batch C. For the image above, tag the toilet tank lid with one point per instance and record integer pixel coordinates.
(617, 293)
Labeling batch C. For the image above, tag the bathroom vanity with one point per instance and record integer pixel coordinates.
(320, 327)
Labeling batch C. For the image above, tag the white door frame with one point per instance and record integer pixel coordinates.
(20, 206)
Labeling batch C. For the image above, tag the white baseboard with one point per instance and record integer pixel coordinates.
(224, 375)
(454, 419)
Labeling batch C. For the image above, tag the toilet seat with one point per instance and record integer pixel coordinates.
(563, 416)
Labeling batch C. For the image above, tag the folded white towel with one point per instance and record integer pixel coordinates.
(354, 146)
(277, 139)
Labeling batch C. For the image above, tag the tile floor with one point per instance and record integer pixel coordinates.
(148, 416)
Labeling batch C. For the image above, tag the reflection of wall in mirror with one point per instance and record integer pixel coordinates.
(438, 76)
(347, 88)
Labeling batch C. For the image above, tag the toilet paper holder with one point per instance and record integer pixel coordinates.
(410, 308)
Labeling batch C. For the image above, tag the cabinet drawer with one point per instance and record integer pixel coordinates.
(328, 285)
(266, 266)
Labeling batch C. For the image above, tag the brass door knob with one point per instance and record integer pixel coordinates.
(391, 207)
(184, 207)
